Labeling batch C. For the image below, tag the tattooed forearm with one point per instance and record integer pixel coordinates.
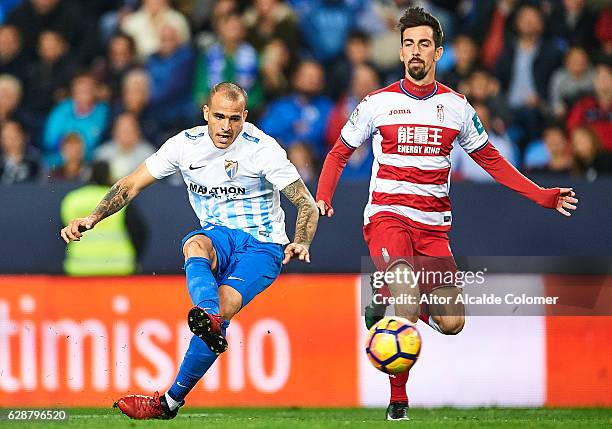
(308, 215)
(117, 198)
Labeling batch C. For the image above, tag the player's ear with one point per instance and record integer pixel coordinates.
(438, 54)
(244, 114)
(205, 111)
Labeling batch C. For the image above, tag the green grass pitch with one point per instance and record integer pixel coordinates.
(337, 418)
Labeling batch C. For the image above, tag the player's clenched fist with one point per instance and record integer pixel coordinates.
(296, 250)
(75, 228)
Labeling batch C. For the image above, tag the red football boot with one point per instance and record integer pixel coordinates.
(207, 327)
(142, 407)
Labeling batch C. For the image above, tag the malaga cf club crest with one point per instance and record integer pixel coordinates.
(231, 168)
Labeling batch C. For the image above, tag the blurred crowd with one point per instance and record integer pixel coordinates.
(111, 80)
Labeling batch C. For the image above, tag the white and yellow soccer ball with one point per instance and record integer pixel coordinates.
(393, 345)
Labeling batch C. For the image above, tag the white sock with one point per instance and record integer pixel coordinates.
(172, 404)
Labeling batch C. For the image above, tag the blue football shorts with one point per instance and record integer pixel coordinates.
(244, 263)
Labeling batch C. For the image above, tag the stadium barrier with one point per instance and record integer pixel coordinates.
(488, 220)
(87, 341)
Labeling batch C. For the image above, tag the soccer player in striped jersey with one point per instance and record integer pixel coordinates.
(413, 124)
(233, 173)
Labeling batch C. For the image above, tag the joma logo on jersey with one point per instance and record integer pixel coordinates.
(399, 112)
(217, 191)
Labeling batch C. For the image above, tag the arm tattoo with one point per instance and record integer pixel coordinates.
(117, 198)
(308, 215)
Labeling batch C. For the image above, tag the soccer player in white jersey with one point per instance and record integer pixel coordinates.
(413, 124)
(233, 173)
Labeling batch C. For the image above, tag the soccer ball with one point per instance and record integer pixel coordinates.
(393, 345)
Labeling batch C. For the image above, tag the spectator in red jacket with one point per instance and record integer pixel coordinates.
(596, 111)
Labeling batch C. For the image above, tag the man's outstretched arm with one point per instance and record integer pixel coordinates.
(117, 197)
(335, 161)
(306, 222)
(560, 199)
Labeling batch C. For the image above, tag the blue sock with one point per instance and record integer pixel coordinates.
(201, 283)
(196, 362)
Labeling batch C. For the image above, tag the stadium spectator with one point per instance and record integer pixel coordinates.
(302, 115)
(571, 22)
(120, 59)
(48, 76)
(145, 25)
(230, 59)
(603, 30)
(18, 162)
(127, 149)
(596, 111)
(590, 162)
(171, 71)
(364, 80)
(356, 53)
(491, 27)
(465, 51)
(135, 99)
(482, 87)
(464, 167)
(81, 114)
(73, 167)
(108, 250)
(10, 98)
(325, 25)
(12, 58)
(301, 156)
(275, 70)
(524, 69)
(33, 17)
(571, 81)
(268, 20)
(551, 155)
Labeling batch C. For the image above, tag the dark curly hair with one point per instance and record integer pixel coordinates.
(415, 17)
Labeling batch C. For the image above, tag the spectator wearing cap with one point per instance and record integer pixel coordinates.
(302, 115)
(18, 162)
(596, 111)
(82, 114)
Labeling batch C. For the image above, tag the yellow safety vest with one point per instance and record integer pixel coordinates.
(106, 250)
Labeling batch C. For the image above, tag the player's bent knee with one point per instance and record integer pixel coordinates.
(198, 246)
(450, 325)
(230, 302)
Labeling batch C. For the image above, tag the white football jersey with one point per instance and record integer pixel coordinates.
(237, 187)
(412, 138)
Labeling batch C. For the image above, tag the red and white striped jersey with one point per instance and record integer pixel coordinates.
(412, 138)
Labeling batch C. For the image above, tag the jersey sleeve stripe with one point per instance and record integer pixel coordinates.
(480, 147)
(413, 174)
(347, 144)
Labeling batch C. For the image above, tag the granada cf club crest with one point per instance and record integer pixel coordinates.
(440, 113)
(231, 168)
